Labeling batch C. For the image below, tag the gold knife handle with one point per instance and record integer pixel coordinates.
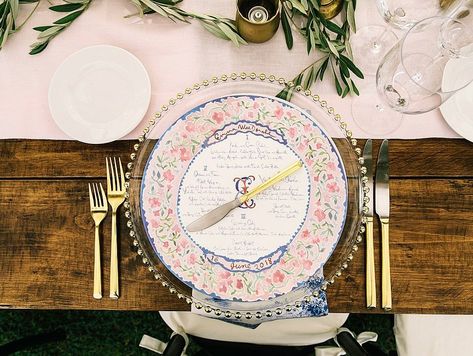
(386, 269)
(271, 181)
(370, 270)
(97, 273)
(114, 289)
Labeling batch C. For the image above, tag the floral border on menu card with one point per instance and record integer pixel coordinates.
(306, 253)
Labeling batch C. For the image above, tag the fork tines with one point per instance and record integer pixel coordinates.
(97, 198)
(116, 177)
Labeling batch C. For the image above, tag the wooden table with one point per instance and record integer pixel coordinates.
(46, 232)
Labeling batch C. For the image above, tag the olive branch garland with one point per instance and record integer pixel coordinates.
(221, 27)
(325, 36)
(322, 35)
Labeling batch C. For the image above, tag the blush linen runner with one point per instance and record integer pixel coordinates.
(176, 55)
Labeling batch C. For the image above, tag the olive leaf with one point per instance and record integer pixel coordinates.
(74, 9)
(9, 11)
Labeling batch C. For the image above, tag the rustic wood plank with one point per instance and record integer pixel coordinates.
(431, 232)
(46, 252)
(46, 255)
(46, 159)
(57, 159)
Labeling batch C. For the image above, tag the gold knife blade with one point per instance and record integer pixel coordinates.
(217, 214)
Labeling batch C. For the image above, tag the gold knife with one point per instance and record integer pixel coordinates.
(217, 214)
(370, 269)
(382, 209)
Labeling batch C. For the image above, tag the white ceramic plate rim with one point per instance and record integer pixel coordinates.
(456, 111)
(112, 134)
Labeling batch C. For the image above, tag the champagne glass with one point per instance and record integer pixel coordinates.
(409, 78)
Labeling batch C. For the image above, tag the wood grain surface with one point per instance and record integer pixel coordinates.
(46, 232)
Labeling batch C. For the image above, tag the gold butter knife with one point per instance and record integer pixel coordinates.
(217, 214)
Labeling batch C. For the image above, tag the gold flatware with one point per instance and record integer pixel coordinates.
(382, 209)
(98, 208)
(370, 270)
(116, 196)
(217, 214)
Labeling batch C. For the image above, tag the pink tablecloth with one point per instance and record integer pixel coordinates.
(175, 55)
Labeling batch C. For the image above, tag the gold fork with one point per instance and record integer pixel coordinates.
(116, 196)
(98, 208)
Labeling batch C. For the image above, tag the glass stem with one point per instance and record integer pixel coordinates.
(376, 44)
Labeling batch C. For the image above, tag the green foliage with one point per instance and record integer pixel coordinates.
(324, 36)
(218, 26)
(74, 8)
(9, 10)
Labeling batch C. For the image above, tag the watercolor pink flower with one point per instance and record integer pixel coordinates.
(278, 277)
(168, 175)
(154, 202)
(319, 214)
(222, 287)
(190, 126)
(176, 263)
(307, 264)
(279, 112)
(305, 233)
(217, 117)
(333, 187)
(292, 132)
(192, 259)
(185, 154)
(224, 275)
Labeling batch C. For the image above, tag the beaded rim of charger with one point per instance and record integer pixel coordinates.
(364, 184)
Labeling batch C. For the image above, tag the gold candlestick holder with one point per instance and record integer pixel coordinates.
(258, 20)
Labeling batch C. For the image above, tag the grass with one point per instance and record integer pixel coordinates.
(119, 333)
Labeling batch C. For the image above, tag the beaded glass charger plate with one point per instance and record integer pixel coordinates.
(217, 141)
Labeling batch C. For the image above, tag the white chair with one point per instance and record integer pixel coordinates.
(433, 335)
(285, 336)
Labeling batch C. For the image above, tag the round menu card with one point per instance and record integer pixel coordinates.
(221, 150)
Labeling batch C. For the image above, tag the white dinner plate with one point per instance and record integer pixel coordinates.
(99, 94)
(458, 110)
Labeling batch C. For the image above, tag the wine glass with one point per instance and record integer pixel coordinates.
(370, 43)
(409, 78)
